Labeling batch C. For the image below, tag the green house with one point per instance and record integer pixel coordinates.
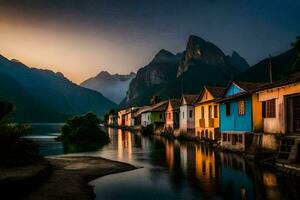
(155, 115)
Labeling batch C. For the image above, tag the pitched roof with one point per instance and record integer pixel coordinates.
(189, 98)
(160, 107)
(248, 87)
(216, 92)
(141, 110)
(293, 78)
(175, 103)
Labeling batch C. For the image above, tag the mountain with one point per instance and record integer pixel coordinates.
(169, 75)
(282, 66)
(42, 95)
(114, 87)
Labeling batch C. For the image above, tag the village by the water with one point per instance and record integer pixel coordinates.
(258, 120)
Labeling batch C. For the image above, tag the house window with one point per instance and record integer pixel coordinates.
(202, 112)
(227, 108)
(182, 115)
(240, 138)
(269, 109)
(160, 116)
(241, 108)
(224, 137)
(209, 112)
(191, 114)
(215, 111)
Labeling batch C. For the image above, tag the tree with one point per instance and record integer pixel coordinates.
(83, 129)
(5, 109)
(155, 99)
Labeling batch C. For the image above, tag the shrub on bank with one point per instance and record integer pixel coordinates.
(168, 133)
(83, 129)
(148, 130)
(14, 150)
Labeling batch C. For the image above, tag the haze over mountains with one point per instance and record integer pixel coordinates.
(42, 95)
(112, 86)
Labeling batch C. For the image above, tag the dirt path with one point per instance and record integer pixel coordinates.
(71, 175)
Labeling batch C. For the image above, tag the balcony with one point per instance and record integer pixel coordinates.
(211, 123)
(202, 123)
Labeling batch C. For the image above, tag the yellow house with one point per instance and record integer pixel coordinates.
(280, 110)
(207, 113)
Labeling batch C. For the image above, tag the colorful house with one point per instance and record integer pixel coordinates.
(280, 110)
(137, 116)
(112, 120)
(172, 114)
(240, 115)
(121, 117)
(155, 115)
(187, 114)
(207, 113)
(128, 120)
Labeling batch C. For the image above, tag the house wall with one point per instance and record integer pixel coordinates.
(185, 121)
(212, 130)
(120, 115)
(257, 114)
(146, 119)
(236, 122)
(128, 119)
(157, 119)
(233, 89)
(169, 118)
(277, 124)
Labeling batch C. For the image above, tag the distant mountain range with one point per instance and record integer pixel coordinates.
(45, 96)
(169, 75)
(112, 86)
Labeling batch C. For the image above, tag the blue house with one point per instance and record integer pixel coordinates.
(240, 115)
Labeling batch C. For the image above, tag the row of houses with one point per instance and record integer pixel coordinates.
(240, 116)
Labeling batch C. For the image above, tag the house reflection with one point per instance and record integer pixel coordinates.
(235, 181)
(169, 154)
(124, 145)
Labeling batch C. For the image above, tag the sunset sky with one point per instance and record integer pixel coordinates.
(82, 37)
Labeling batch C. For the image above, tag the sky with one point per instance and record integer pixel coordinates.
(80, 38)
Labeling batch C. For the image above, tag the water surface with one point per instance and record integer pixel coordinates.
(176, 170)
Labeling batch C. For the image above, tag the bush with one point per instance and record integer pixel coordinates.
(148, 130)
(83, 129)
(168, 133)
(15, 150)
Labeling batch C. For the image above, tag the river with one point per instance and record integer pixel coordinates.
(174, 169)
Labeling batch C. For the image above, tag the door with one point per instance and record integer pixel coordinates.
(293, 114)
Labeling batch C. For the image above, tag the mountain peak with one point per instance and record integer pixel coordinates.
(198, 49)
(238, 61)
(163, 56)
(104, 74)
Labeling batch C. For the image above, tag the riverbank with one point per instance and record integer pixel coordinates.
(71, 175)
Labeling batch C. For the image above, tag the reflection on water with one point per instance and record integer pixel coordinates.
(184, 170)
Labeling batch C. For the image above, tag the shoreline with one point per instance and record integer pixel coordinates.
(71, 176)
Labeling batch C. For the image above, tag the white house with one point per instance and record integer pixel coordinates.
(187, 114)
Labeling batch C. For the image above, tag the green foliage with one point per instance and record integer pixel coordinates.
(148, 130)
(5, 108)
(111, 111)
(168, 133)
(83, 129)
(14, 150)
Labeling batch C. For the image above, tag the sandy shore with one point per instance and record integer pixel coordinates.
(71, 175)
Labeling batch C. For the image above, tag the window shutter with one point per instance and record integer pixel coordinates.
(264, 109)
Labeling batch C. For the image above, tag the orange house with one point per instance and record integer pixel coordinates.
(207, 113)
(172, 114)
